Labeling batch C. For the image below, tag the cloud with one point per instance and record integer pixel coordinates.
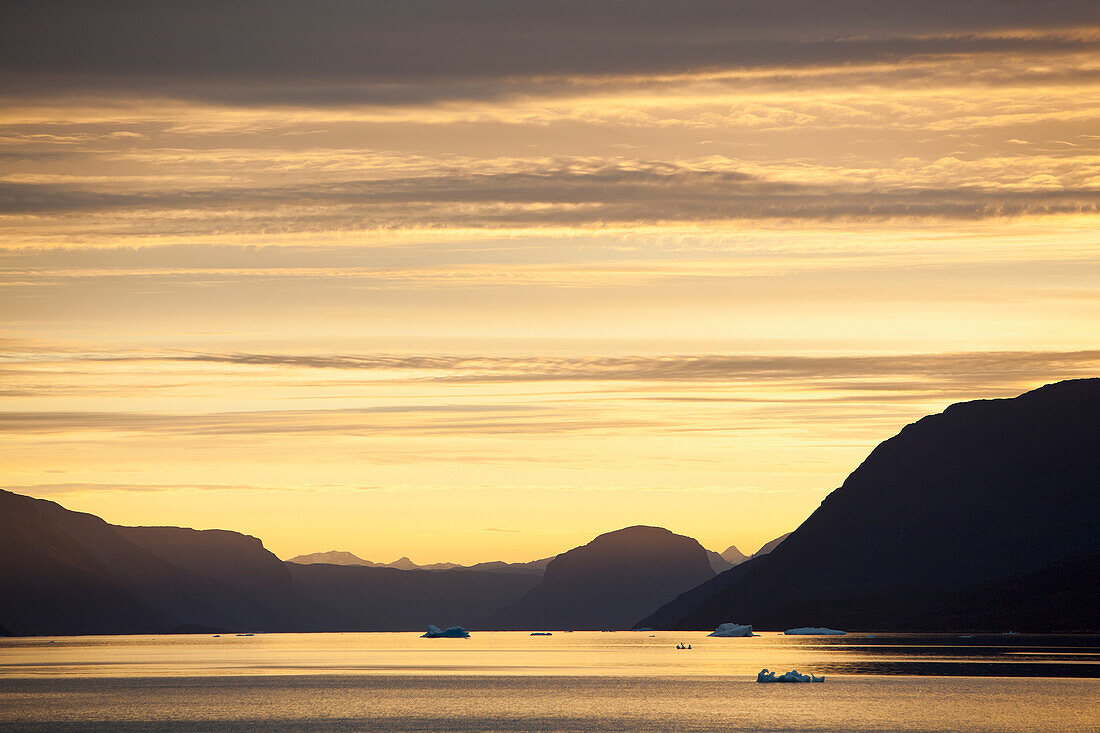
(497, 420)
(632, 193)
(246, 52)
(81, 488)
(947, 369)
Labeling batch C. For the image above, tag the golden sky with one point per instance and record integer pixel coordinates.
(481, 280)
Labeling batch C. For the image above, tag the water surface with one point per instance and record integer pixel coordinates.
(565, 682)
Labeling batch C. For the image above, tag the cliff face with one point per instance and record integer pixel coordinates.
(610, 582)
(988, 491)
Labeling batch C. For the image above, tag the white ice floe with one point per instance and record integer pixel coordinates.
(453, 632)
(814, 631)
(792, 676)
(733, 630)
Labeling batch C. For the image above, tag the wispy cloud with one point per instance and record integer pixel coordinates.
(635, 195)
(717, 368)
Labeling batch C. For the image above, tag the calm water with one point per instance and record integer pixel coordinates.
(581, 681)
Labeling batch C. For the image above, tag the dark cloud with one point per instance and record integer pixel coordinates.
(565, 195)
(384, 52)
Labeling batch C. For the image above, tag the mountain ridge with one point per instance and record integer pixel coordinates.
(924, 519)
(604, 583)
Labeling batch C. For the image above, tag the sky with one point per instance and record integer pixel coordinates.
(481, 280)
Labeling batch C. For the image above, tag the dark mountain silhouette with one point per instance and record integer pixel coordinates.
(438, 566)
(688, 601)
(65, 572)
(984, 517)
(769, 546)
(610, 582)
(535, 567)
(734, 556)
(233, 560)
(718, 563)
(350, 598)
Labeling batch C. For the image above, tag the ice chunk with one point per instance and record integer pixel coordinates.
(733, 630)
(814, 631)
(454, 632)
(792, 676)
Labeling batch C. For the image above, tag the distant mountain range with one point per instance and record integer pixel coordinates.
(65, 572)
(985, 517)
(718, 562)
(338, 557)
(733, 557)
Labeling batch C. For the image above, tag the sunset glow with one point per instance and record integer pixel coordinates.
(480, 293)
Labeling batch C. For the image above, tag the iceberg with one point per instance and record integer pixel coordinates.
(814, 631)
(453, 632)
(792, 676)
(733, 630)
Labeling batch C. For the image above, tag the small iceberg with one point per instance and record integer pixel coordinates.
(733, 630)
(792, 676)
(539, 633)
(453, 632)
(814, 631)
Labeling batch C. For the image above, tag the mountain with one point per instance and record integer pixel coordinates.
(231, 560)
(332, 557)
(65, 572)
(439, 566)
(691, 599)
(610, 582)
(718, 563)
(769, 546)
(733, 556)
(337, 557)
(978, 518)
(535, 567)
(403, 563)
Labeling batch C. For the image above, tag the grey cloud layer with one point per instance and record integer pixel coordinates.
(946, 368)
(339, 51)
(550, 196)
(860, 382)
